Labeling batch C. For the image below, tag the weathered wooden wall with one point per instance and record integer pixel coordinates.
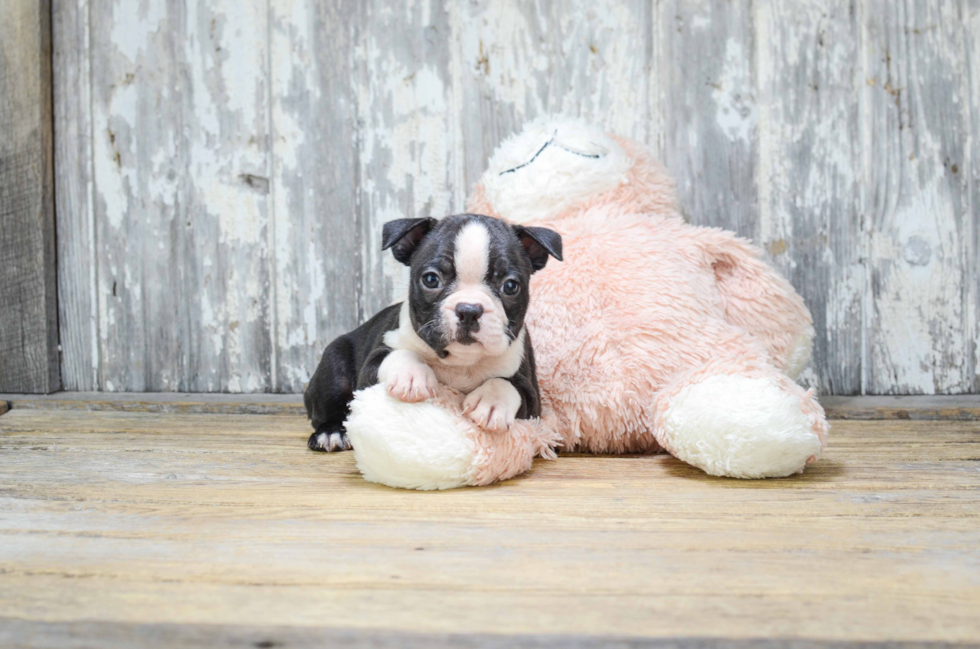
(28, 287)
(224, 167)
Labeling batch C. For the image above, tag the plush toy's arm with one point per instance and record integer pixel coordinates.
(432, 445)
(757, 299)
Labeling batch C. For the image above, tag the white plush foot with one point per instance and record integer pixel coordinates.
(494, 405)
(739, 427)
(406, 377)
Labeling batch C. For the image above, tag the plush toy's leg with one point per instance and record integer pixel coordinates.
(741, 420)
(431, 445)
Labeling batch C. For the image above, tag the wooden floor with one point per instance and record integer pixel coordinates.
(154, 528)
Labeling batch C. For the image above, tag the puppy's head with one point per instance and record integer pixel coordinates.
(468, 287)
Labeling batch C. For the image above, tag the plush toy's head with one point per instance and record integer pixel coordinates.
(556, 167)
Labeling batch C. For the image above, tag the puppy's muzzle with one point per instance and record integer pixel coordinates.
(468, 316)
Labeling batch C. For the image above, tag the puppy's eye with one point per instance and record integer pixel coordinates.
(510, 287)
(431, 281)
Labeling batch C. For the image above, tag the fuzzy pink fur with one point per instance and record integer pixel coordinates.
(636, 305)
(502, 455)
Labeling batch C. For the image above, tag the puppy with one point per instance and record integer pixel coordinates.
(462, 325)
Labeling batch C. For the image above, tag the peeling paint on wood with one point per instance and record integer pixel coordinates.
(917, 206)
(971, 171)
(316, 241)
(179, 115)
(809, 223)
(407, 141)
(712, 112)
(518, 60)
(223, 170)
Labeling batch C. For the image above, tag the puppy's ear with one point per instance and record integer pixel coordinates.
(539, 243)
(403, 236)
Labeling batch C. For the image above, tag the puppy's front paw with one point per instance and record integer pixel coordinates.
(493, 405)
(412, 383)
(329, 442)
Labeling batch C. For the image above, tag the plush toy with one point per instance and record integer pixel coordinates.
(652, 335)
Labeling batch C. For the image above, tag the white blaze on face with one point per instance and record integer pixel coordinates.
(472, 260)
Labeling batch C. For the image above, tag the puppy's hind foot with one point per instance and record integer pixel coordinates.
(328, 441)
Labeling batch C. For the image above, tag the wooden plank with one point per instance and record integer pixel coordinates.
(226, 219)
(181, 181)
(712, 112)
(163, 402)
(78, 308)
(927, 408)
(137, 285)
(971, 24)
(809, 159)
(223, 171)
(317, 235)
(132, 519)
(407, 140)
(916, 110)
(15, 634)
(518, 60)
(920, 408)
(28, 292)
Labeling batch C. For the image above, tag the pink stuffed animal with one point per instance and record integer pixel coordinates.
(652, 335)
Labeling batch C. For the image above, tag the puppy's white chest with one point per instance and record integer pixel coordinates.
(460, 373)
(464, 379)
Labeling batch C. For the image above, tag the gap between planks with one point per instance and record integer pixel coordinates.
(923, 408)
(113, 635)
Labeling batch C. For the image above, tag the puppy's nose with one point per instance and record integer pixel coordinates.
(468, 315)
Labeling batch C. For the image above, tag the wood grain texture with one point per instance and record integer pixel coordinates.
(712, 112)
(29, 359)
(809, 158)
(922, 408)
(407, 138)
(166, 402)
(222, 519)
(180, 101)
(134, 199)
(221, 221)
(78, 308)
(927, 408)
(519, 60)
(317, 240)
(921, 252)
(971, 24)
(17, 634)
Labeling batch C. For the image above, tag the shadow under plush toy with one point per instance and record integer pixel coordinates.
(652, 335)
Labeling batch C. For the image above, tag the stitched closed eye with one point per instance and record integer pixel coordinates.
(551, 142)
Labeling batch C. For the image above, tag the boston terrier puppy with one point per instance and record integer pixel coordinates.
(462, 326)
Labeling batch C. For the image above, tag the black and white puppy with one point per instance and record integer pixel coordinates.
(462, 326)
